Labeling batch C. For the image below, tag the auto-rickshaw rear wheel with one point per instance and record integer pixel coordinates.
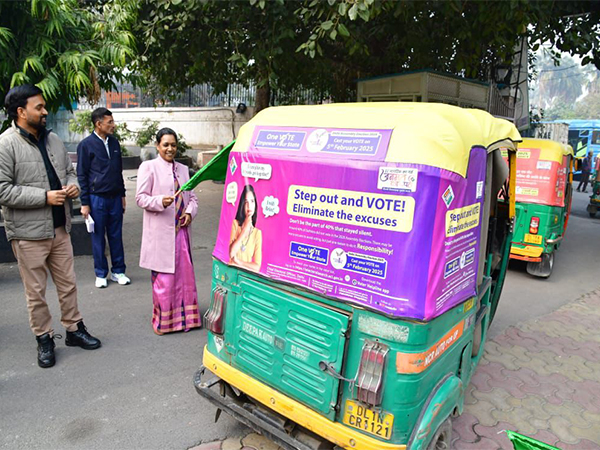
(442, 437)
(592, 210)
(542, 269)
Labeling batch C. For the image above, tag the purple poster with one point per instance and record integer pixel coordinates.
(321, 209)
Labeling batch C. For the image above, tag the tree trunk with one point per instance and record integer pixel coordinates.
(263, 95)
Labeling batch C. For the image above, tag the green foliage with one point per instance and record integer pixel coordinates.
(456, 36)
(82, 124)
(70, 49)
(221, 42)
(182, 147)
(586, 108)
(559, 80)
(327, 45)
(147, 133)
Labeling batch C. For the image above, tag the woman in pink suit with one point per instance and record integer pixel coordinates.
(166, 248)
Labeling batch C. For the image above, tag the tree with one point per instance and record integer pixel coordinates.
(457, 36)
(67, 50)
(559, 81)
(185, 43)
(329, 44)
(588, 107)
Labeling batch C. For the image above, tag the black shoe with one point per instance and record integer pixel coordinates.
(45, 350)
(81, 338)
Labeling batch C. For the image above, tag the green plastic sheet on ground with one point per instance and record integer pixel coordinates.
(216, 170)
(521, 442)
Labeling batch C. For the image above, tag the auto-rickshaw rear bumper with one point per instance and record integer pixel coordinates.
(528, 253)
(334, 432)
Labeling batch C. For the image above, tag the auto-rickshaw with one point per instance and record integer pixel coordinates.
(544, 193)
(594, 204)
(360, 257)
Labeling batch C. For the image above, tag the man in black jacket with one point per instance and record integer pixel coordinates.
(100, 175)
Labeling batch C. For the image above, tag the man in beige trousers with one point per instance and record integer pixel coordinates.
(36, 181)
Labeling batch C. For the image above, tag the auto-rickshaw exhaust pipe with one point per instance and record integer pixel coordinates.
(554, 241)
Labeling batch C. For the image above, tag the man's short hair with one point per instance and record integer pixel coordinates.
(17, 98)
(98, 114)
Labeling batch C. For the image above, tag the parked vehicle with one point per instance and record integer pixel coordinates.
(584, 135)
(361, 253)
(544, 193)
(594, 204)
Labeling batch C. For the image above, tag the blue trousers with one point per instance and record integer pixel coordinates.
(107, 213)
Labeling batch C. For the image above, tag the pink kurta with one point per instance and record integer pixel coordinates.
(155, 181)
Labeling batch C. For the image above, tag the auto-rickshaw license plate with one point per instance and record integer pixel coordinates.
(533, 238)
(366, 419)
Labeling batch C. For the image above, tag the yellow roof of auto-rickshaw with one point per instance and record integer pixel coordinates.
(549, 150)
(432, 134)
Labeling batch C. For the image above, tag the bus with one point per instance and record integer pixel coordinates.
(584, 135)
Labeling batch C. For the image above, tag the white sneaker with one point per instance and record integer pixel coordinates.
(120, 278)
(101, 282)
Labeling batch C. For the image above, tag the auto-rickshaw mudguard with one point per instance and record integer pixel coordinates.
(443, 400)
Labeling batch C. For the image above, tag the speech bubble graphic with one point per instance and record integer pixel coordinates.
(256, 171)
(231, 193)
(270, 206)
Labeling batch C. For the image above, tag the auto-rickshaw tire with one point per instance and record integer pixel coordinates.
(535, 269)
(592, 210)
(442, 439)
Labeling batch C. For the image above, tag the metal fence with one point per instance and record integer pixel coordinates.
(129, 96)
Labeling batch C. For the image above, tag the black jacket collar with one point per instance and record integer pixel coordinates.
(27, 135)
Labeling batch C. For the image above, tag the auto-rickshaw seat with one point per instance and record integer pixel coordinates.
(497, 172)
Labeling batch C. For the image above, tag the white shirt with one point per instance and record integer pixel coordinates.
(105, 143)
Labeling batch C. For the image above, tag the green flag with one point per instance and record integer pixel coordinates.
(216, 169)
(521, 442)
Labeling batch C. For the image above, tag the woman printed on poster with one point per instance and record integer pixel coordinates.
(245, 244)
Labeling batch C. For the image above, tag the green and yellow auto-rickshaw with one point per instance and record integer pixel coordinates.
(360, 257)
(544, 192)
(594, 204)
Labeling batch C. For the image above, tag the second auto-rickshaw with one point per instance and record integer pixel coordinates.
(544, 192)
(360, 257)
(594, 204)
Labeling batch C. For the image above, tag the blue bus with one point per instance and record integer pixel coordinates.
(584, 135)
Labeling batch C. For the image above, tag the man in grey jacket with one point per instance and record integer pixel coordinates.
(36, 181)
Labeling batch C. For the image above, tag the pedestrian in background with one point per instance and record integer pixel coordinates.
(586, 168)
(100, 174)
(166, 247)
(36, 181)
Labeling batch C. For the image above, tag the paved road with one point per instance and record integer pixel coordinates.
(576, 272)
(136, 391)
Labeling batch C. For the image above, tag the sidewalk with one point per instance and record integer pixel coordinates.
(540, 378)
